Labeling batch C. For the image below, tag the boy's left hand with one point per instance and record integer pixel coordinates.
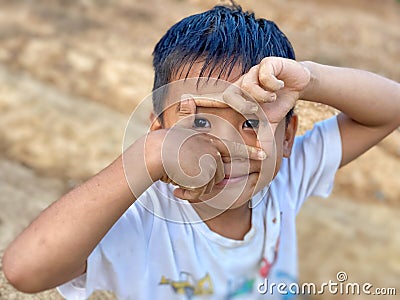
(276, 84)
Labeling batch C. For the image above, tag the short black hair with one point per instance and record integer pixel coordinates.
(221, 38)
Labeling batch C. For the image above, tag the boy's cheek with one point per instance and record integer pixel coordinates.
(250, 138)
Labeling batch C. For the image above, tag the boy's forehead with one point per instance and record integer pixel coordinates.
(189, 82)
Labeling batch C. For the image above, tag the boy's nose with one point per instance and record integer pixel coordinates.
(226, 131)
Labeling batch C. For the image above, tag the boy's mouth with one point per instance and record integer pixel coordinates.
(233, 179)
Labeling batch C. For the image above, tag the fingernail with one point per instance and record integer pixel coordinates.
(185, 98)
(281, 84)
(261, 154)
(273, 97)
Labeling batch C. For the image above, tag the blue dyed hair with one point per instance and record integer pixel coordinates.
(220, 38)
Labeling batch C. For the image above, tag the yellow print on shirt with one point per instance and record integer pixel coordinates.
(189, 286)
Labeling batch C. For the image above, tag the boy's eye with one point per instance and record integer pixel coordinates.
(251, 123)
(201, 123)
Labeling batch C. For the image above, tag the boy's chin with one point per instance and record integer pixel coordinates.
(232, 195)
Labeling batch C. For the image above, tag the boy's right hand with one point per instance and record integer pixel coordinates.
(190, 159)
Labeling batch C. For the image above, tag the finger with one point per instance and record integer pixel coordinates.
(234, 98)
(240, 150)
(203, 102)
(265, 134)
(187, 111)
(206, 100)
(210, 100)
(270, 68)
(185, 194)
(266, 129)
(219, 171)
(195, 193)
(209, 187)
(251, 85)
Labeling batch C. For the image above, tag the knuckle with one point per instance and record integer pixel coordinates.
(227, 97)
(238, 149)
(217, 156)
(242, 106)
(259, 96)
(226, 94)
(196, 193)
(246, 86)
(263, 77)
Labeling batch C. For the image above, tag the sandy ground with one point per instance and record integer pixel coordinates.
(72, 72)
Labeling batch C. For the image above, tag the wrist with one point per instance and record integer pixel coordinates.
(142, 163)
(312, 69)
(152, 144)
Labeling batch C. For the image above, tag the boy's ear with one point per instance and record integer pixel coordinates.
(155, 123)
(290, 134)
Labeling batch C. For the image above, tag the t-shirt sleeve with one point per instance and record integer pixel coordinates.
(313, 163)
(82, 287)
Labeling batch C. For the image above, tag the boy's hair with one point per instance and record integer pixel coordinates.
(221, 38)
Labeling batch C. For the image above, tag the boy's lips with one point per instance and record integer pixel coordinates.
(233, 179)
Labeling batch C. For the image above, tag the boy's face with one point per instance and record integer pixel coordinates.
(242, 176)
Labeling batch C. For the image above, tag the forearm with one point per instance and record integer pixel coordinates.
(367, 98)
(56, 245)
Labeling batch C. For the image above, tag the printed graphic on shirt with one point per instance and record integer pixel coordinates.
(265, 268)
(239, 288)
(265, 264)
(189, 286)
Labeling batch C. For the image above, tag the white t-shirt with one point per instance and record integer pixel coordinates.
(145, 257)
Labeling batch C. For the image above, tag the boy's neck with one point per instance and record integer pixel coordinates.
(232, 223)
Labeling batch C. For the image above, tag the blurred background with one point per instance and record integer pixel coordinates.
(71, 72)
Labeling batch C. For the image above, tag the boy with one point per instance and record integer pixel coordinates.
(212, 141)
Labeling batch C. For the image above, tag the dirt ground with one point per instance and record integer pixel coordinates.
(71, 72)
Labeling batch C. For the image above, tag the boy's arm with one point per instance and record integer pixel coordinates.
(370, 105)
(54, 248)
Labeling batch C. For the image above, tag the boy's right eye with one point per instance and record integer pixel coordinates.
(201, 123)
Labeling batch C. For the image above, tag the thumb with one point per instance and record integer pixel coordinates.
(187, 111)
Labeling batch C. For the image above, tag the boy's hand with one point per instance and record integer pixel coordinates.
(276, 83)
(193, 160)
